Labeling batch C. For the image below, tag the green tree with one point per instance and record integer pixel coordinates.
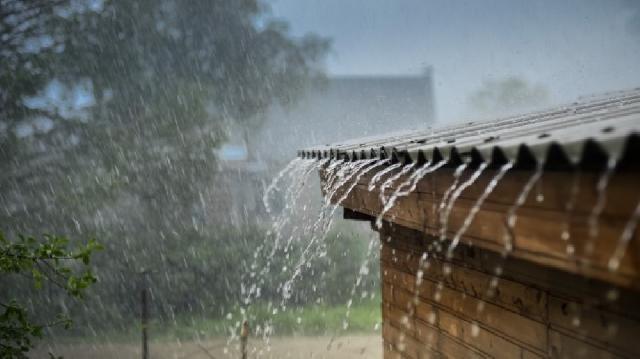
(507, 96)
(164, 80)
(48, 261)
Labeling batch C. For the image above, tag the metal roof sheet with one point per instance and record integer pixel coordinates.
(600, 127)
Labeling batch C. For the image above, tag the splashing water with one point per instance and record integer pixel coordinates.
(456, 194)
(333, 171)
(511, 217)
(476, 206)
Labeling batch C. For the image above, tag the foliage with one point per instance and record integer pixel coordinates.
(166, 78)
(25, 61)
(311, 319)
(50, 261)
(508, 95)
(135, 166)
(200, 276)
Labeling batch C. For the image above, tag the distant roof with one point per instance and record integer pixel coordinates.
(345, 107)
(591, 130)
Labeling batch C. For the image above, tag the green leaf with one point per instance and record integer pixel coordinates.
(37, 277)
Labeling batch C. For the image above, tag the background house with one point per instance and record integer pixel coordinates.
(338, 109)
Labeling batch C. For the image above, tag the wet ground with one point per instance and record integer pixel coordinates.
(365, 346)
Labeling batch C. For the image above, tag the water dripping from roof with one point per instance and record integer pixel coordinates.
(441, 208)
(601, 201)
(623, 241)
(378, 176)
(391, 180)
(364, 270)
(512, 212)
(294, 176)
(456, 194)
(273, 186)
(352, 170)
(341, 174)
(376, 164)
(412, 182)
(476, 206)
(565, 235)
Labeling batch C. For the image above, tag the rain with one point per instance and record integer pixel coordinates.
(319, 179)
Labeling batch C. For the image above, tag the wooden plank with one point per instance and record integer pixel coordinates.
(520, 298)
(564, 346)
(606, 327)
(390, 352)
(551, 280)
(399, 318)
(478, 337)
(526, 354)
(530, 333)
(452, 348)
(618, 333)
(537, 234)
(556, 187)
(427, 334)
(405, 343)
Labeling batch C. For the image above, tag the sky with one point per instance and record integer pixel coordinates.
(572, 47)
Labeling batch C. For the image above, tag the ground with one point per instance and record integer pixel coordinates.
(347, 347)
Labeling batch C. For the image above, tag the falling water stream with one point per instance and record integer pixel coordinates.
(623, 241)
(273, 186)
(454, 196)
(297, 172)
(412, 182)
(341, 177)
(511, 218)
(391, 180)
(601, 201)
(457, 174)
(476, 206)
(379, 175)
(569, 209)
(355, 170)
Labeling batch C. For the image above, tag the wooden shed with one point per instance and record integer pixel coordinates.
(515, 238)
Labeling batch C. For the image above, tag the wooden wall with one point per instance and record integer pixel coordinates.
(541, 220)
(462, 309)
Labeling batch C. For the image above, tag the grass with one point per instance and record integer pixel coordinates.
(364, 317)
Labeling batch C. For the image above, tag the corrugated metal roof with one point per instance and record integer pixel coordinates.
(591, 130)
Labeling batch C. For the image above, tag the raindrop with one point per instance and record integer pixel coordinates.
(476, 206)
(475, 329)
(613, 294)
(601, 201)
(511, 213)
(623, 241)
